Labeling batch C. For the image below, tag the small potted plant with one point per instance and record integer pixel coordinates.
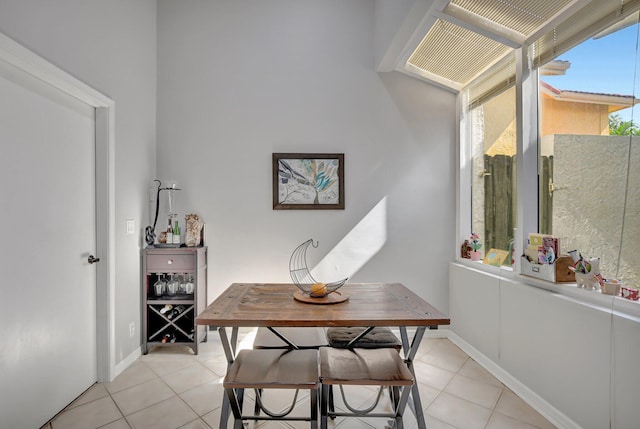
(475, 244)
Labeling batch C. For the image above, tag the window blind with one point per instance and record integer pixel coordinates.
(501, 78)
(453, 51)
(592, 19)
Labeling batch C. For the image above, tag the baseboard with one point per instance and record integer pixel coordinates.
(437, 333)
(126, 362)
(551, 413)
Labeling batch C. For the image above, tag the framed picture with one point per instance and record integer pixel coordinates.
(496, 257)
(308, 181)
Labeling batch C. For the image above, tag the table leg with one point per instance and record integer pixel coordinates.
(229, 345)
(359, 337)
(283, 338)
(410, 350)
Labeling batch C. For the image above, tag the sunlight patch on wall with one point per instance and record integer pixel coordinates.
(357, 248)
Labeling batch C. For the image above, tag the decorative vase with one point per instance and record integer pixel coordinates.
(476, 255)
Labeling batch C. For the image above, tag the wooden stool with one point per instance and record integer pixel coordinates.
(364, 367)
(272, 369)
(378, 337)
(303, 338)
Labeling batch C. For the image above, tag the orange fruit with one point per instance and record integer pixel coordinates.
(318, 289)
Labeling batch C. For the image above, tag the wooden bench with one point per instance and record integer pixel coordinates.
(272, 369)
(302, 337)
(364, 367)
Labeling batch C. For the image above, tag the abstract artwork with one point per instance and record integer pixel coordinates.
(308, 181)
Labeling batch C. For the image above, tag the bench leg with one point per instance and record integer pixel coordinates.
(403, 397)
(235, 404)
(314, 408)
(324, 406)
(332, 405)
(256, 405)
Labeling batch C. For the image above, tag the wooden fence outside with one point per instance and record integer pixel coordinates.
(500, 191)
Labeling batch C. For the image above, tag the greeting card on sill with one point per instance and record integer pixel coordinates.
(495, 257)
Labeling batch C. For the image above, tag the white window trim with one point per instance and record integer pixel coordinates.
(526, 151)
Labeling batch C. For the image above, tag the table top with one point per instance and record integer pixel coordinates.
(273, 304)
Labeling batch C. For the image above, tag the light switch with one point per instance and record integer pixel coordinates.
(131, 226)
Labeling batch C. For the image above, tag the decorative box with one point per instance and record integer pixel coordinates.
(558, 272)
(630, 293)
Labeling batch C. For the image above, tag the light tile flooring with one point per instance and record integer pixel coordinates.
(171, 388)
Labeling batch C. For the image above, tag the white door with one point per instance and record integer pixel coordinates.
(48, 230)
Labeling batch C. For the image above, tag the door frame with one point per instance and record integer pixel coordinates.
(18, 56)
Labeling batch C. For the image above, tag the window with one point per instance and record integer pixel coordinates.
(582, 183)
(491, 125)
(589, 149)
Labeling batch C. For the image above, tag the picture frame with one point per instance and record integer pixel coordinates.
(495, 257)
(308, 181)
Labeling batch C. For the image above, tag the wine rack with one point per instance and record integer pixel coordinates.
(168, 316)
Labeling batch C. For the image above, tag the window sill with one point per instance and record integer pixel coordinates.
(593, 298)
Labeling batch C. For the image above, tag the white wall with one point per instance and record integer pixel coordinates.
(390, 15)
(111, 46)
(238, 81)
(574, 361)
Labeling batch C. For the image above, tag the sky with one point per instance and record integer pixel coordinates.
(605, 65)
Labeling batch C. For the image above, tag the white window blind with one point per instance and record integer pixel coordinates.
(501, 78)
(456, 53)
(455, 50)
(592, 19)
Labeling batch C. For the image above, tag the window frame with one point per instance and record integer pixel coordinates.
(527, 150)
(527, 198)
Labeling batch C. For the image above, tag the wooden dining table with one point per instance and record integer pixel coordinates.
(366, 305)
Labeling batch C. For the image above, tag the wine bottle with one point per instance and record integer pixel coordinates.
(170, 232)
(175, 312)
(169, 337)
(166, 308)
(176, 233)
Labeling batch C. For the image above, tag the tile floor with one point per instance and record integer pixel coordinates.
(171, 388)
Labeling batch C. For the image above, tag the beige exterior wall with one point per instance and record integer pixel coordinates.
(500, 132)
(566, 117)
